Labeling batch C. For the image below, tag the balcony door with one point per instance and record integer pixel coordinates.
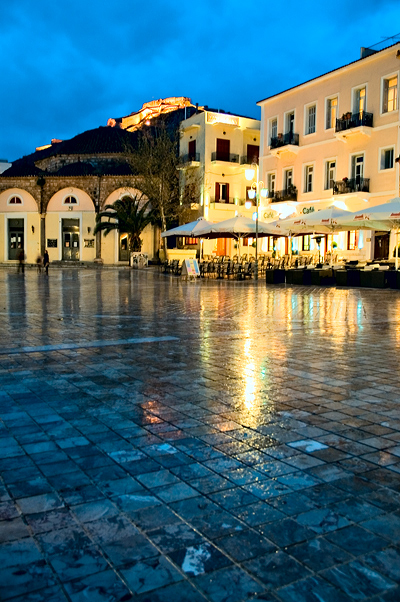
(290, 122)
(192, 150)
(359, 101)
(223, 149)
(253, 153)
(357, 168)
(288, 179)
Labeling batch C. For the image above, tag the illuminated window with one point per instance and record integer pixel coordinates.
(359, 100)
(306, 242)
(270, 243)
(70, 200)
(15, 200)
(352, 240)
(331, 112)
(191, 241)
(390, 94)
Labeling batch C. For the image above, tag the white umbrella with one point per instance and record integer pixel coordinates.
(240, 227)
(380, 217)
(190, 230)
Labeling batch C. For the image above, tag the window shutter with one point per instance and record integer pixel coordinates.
(217, 193)
(227, 192)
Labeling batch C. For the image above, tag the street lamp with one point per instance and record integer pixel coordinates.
(257, 189)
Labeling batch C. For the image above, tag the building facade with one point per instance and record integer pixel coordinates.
(335, 140)
(50, 199)
(217, 148)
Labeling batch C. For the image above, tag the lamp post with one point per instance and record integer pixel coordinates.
(257, 189)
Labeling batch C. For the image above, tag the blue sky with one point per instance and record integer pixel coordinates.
(68, 67)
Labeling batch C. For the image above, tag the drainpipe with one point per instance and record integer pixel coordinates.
(41, 182)
(97, 210)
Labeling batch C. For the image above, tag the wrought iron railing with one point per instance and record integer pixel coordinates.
(284, 139)
(230, 201)
(228, 157)
(354, 120)
(190, 157)
(348, 185)
(289, 194)
(248, 160)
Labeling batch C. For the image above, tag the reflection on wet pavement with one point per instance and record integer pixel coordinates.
(224, 441)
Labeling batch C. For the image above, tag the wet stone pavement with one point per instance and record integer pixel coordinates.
(168, 441)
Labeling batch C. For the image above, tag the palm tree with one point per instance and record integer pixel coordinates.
(127, 215)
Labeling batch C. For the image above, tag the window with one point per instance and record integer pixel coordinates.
(309, 173)
(330, 174)
(70, 200)
(221, 192)
(192, 150)
(289, 123)
(306, 242)
(311, 117)
(390, 94)
(357, 167)
(15, 200)
(270, 243)
(271, 184)
(223, 149)
(191, 241)
(288, 178)
(273, 128)
(352, 240)
(387, 158)
(331, 112)
(360, 97)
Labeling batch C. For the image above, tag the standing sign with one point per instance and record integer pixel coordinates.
(190, 268)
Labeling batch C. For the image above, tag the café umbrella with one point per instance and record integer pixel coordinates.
(240, 227)
(190, 230)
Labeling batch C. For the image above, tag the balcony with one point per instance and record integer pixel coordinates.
(248, 160)
(225, 157)
(353, 124)
(190, 160)
(289, 194)
(284, 143)
(230, 201)
(348, 186)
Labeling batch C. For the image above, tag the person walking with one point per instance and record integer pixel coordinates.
(21, 259)
(39, 264)
(46, 262)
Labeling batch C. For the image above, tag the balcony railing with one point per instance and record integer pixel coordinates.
(228, 157)
(354, 120)
(284, 139)
(347, 186)
(248, 160)
(289, 194)
(230, 201)
(189, 158)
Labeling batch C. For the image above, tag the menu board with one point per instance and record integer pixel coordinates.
(190, 268)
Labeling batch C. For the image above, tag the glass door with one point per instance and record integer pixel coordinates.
(15, 238)
(70, 240)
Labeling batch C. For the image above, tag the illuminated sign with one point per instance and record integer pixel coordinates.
(222, 118)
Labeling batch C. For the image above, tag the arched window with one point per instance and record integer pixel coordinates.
(70, 200)
(15, 200)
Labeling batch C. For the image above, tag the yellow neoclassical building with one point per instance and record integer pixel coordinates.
(217, 148)
(335, 140)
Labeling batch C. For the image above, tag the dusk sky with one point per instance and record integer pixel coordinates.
(68, 67)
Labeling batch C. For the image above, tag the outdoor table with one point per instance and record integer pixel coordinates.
(373, 278)
(275, 276)
(347, 277)
(322, 277)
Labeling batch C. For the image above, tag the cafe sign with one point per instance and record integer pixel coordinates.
(307, 210)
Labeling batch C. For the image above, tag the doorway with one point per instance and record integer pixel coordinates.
(15, 238)
(123, 248)
(70, 240)
(381, 250)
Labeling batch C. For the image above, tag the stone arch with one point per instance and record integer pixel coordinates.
(119, 193)
(57, 202)
(28, 205)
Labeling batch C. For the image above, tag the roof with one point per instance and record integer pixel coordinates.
(21, 170)
(328, 72)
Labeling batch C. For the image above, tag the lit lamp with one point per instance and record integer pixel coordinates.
(257, 189)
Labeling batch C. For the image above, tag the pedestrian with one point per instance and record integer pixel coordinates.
(46, 262)
(39, 264)
(21, 259)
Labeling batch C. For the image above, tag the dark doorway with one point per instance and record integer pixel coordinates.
(381, 245)
(223, 149)
(15, 237)
(123, 247)
(70, 239)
